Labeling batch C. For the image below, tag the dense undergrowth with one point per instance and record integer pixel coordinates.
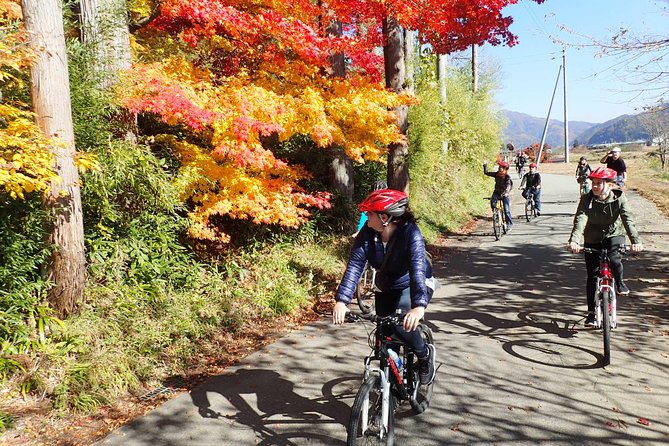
(153, 300)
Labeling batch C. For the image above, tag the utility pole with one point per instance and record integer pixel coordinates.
(548, 116)
(566, 122)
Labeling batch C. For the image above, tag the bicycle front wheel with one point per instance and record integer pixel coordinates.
(497, 223)
(606, 327)
(528, 210)
(420, 400)
(366, 427)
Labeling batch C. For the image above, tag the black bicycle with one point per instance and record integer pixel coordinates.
(364, 293)
(386, 386)
(530, 206)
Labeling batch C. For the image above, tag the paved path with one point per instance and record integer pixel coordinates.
(517, 367)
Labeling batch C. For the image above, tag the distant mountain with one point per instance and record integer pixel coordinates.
(625, 128)
(523, 130)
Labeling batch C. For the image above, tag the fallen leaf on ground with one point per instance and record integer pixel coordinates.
(643, 421)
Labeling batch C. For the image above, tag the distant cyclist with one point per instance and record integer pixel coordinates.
(583, 171)
(602, 220)
(521, 160)
(363, 215)
(532, 183)
(502, 191)
(392, 243)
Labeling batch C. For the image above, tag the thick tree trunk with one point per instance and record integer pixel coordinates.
(50, 91)
(393, 56)
(341, 168)
(104, 28)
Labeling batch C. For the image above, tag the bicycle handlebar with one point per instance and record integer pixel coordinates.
(352, 316)
(623, 249)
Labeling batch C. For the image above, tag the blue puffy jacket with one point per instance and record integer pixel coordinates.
(406, 267)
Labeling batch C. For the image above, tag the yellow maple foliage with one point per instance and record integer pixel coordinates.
(26, 161)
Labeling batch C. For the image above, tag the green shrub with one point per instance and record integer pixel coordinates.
(447, 187)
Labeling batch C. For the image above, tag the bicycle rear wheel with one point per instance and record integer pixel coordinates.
(606, 327)
(420, 399)
(365, 427)
(364, 293)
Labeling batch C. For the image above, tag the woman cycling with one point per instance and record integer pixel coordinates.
(503, 186)
(392, 243)
(583, 171)
(363, 215)
(602, 219)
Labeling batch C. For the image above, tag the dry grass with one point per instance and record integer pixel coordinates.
(643, 178)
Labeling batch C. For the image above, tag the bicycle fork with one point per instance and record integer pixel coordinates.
(605, 283)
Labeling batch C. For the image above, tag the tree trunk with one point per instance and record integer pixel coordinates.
(442, 63)
(50, 91)
(341, 168)
(409, 59)
(475, 68)
(393, 56)
(104, 28)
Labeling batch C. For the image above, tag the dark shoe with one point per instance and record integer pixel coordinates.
(590, 320)
(622, 289)
(538, 214)
(426, 366)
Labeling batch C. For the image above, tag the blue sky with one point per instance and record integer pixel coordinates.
(598, 88)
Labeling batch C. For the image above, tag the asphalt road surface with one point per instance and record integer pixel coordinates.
(517, 367)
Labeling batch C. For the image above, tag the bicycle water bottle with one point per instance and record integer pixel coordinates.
(396, 359)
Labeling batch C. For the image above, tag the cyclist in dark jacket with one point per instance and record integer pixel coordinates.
(532, 183)
(503, 186)
(392, 243)
(583, 171)
(613, 161)
(602, 220)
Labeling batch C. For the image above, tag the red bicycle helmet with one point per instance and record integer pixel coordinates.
(503, 164)
(603, 173)
(533, 165)
(387, 201)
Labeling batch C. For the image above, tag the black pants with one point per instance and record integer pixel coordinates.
(592, 266)
(386, 304)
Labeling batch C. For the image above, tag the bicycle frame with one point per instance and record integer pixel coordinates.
(402, 385)
(605, 283)
(605, 299)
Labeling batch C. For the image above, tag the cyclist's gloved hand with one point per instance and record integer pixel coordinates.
(637, 247)
(413, 317)
(339, 313)
(575, 247)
